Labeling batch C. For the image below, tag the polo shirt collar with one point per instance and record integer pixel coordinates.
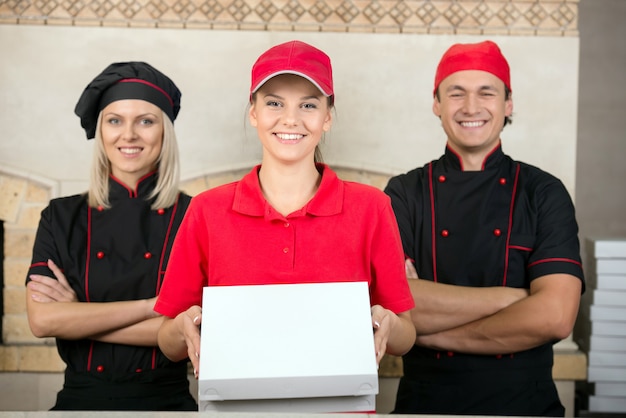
(328, 199)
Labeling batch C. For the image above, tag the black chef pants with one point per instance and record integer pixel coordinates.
(476, 395)
(154, 390)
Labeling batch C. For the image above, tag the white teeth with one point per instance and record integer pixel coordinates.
(472, 124)
(289, 137)
(130, 150)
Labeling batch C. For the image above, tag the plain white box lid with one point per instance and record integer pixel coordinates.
(287, 341)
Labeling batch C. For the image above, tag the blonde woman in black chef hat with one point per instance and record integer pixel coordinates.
(99, 257)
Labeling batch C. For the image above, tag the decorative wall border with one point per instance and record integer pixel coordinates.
(472, 17)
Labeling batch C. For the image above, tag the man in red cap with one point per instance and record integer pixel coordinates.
(492, 254)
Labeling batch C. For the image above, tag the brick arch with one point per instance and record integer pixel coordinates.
(22, 198)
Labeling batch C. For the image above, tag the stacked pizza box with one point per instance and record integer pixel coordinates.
(607, 317)
(265, 349)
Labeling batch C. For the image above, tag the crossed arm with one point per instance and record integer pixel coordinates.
(54, 311)
(494, 320)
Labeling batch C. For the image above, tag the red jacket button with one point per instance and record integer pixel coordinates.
(445, 233)
(100, 254)
(450, 353)
(442, 179)
(503, 181)
(147, 256)
(499, 356)
(100, 208)
(100, 369)
(160, 211)
(497, 232)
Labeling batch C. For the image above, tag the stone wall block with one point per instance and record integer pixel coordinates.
(36, 193)
(15, 270)
(18, 243)
(30, 215)
(40, 359)
(16, 330)
(12, 192)
(9, 358)
(14, 300)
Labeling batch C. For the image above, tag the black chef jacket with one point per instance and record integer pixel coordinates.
(108, 255)
(503, 226)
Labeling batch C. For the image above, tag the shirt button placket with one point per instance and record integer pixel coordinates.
(290, 241)
(286, 225)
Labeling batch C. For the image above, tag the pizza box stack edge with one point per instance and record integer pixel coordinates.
(607, 319)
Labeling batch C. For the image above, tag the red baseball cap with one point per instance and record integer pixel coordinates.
(294, 57)
(484, 56)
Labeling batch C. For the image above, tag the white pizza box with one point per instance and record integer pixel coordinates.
(286, 341)
(607, 343)
(609, 328)
(609, 247)
(608, 358)
(610, 389)
(609, 297)
(607, 404)
(611, 281)
(330, 405)
(611, 266)
(606, 374)
(607, 313)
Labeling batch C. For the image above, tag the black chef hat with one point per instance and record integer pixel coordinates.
(126, 80)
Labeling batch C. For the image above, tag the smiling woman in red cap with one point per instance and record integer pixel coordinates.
(290, 220)
(493, 254)
(99, 257)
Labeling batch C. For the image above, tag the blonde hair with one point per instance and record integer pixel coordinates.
(168, 170)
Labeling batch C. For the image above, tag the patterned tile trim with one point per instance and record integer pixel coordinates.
(479, 17)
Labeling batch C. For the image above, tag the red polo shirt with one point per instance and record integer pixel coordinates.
(232, 236)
